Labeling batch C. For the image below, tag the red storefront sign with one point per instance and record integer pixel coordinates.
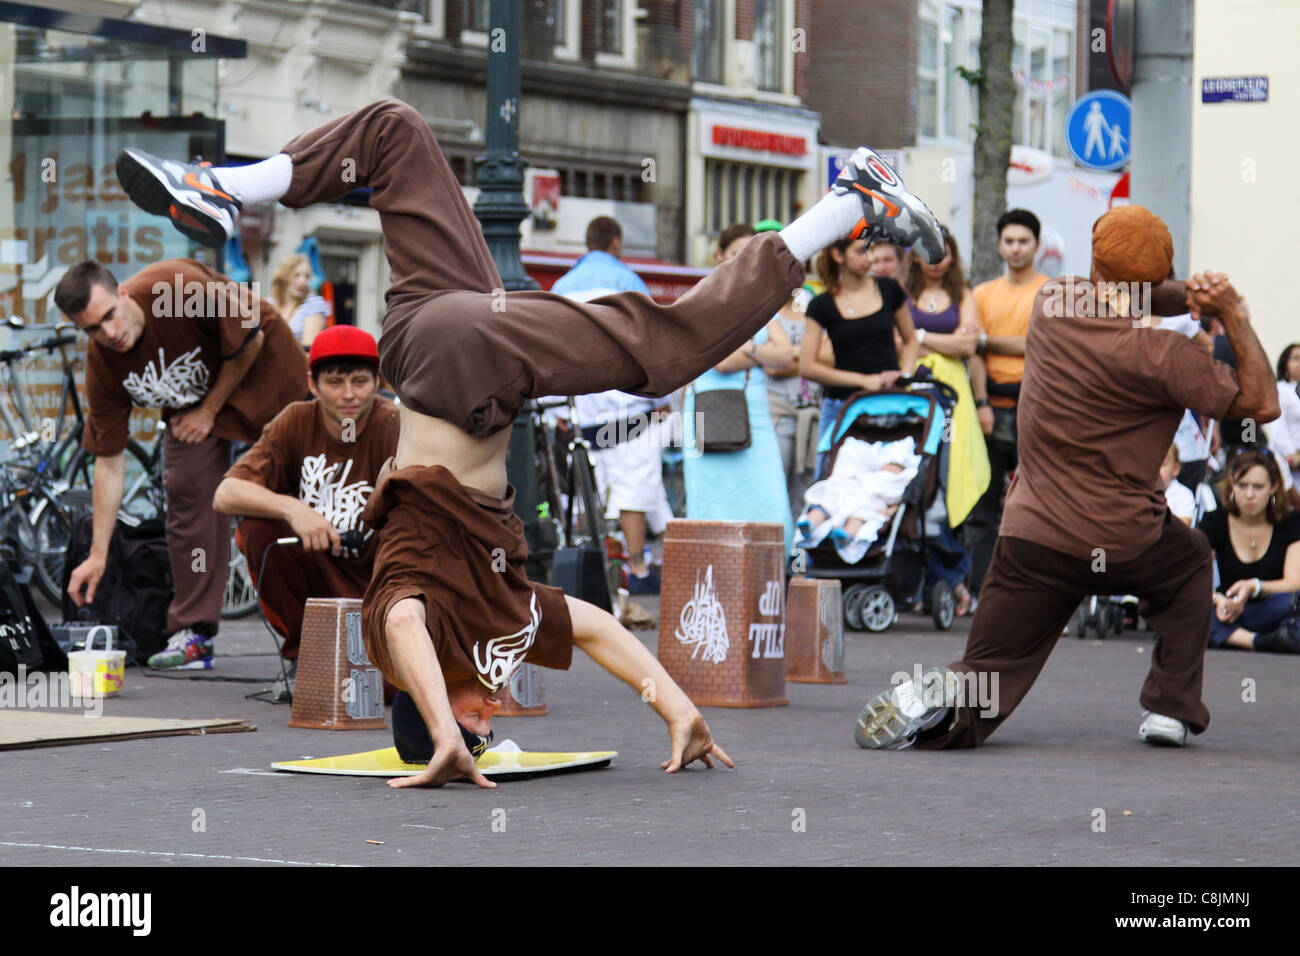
(759, 140)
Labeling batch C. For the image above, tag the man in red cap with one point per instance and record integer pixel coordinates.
(309, 476)
(219, 363)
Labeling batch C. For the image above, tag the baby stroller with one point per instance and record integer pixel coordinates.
(893, 570)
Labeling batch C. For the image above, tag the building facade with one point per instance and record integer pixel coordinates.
(890, 74)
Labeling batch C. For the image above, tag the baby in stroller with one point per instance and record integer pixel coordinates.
(859, 496)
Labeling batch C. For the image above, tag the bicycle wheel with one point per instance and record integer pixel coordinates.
(142, 496)
(53, 532)
(586, 514)
(240, 599)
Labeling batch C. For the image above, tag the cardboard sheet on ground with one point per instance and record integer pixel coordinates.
(493, 764)
(27, 728)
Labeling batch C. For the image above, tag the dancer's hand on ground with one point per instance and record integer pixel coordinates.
(692, 741)
(451, 763)
(985, 416)
(192, 426)
(314, 529)
(87, 574)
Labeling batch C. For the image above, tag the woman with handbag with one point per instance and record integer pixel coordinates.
(731, 462)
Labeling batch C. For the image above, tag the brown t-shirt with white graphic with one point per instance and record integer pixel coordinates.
(297, 456)
(1099, 404)
(462, 553)
(194, 319)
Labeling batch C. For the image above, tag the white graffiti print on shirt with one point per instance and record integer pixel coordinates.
(179, 385)
(504, 654)
(703, 622)
(324, 488)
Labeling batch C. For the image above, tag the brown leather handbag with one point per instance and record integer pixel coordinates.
(722, 419)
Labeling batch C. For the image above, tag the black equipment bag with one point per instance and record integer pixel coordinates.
(25, 638)
(136, 588)
(580, 572)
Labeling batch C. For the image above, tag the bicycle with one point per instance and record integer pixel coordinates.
(56, 473)
(569, 483)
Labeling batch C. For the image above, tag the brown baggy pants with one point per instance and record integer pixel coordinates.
(198, 538)
(456, 346)
(292, 575)
(1031, 591)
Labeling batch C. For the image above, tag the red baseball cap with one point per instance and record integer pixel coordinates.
(343, 341)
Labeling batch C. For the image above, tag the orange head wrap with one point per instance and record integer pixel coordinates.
(1132, 244)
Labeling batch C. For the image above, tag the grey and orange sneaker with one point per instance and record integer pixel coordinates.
(186, 650)
(891, 721)
(889, 211)
(188, 194)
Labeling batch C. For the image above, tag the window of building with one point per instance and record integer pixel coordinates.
(558, 20)
(609, 27)
(747, 192)
(1041, 64)
(476, 16)
(769, 36)
(1061, 73)
(710, 37)
(928, 75)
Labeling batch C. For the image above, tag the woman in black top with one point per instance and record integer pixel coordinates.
(1256, 542)
(859, 314)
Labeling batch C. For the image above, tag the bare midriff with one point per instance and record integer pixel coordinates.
(477, 463)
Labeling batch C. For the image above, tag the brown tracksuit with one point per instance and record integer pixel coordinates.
(1099, 405)
(456, 346)
(297, 456)
(195, 319)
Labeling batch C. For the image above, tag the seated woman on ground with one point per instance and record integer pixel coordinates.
(860, 495)
(1256, 542)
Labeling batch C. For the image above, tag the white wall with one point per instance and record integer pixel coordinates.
(1245, 190)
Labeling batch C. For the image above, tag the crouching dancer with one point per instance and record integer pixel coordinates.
(449, 613)
(309, 476)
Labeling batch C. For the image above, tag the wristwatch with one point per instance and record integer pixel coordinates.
(920, 336)
(981, 403)
(982, 344)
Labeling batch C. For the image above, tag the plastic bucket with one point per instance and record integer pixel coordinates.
(97, 673)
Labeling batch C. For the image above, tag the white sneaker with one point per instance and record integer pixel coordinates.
(1162, 731)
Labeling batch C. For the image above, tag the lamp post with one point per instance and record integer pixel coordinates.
(500, 206)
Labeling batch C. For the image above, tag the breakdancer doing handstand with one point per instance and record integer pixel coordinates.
(449, 613)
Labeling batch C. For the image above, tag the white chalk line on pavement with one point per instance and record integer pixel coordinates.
(198, 856)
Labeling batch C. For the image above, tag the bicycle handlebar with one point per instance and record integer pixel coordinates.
(49, 345)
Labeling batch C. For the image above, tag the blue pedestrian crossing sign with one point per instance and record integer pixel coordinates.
(1099, 130)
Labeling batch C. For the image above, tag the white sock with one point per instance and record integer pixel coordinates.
(830, 220)
(258, 182)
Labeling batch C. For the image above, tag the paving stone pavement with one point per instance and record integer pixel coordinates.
(1029, 797)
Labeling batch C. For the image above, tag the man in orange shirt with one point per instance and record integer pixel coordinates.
(1004, 306)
